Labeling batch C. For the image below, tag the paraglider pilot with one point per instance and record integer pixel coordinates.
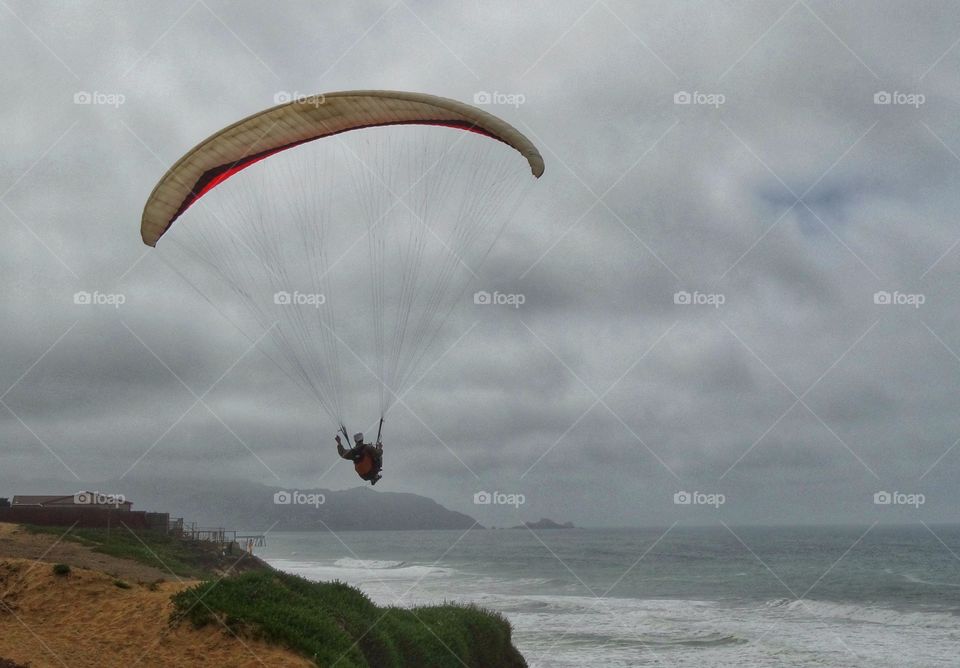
(367, 459)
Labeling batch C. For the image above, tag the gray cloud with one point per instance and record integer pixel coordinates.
(693, 198)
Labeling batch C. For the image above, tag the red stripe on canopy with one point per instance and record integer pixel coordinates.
(217, 175)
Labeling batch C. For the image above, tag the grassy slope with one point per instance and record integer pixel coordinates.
(331, 622)
(186, 558)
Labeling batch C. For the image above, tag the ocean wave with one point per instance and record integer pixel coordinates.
(915, 580)
(705, 640)
(368, 564)
(650, 612)
(709, 640)
(361, 570)
(871, 614)
(779, 602)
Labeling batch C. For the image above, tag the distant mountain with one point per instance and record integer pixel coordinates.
(544, 523)
(254, 507)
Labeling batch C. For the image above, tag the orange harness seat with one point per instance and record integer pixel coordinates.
(364, 466)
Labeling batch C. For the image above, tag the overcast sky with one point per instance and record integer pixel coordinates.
(786, 194)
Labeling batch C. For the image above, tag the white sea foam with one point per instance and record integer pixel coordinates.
(361, 571)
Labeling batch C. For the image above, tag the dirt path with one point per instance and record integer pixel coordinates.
(18, 543)
(85, 620)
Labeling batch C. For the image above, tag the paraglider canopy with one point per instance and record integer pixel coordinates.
(263, 134)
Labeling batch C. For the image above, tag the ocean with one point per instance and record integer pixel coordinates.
(737, 596)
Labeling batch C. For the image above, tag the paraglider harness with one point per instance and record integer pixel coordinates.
(367, 462)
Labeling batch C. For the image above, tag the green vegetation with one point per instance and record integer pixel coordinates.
(328, 622)
(61, 569)
(186, 558)
(332, 622)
